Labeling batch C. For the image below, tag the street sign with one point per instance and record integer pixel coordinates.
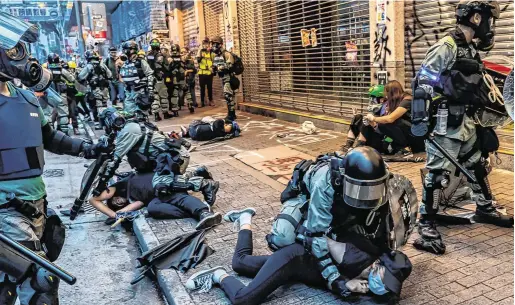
(382, 77)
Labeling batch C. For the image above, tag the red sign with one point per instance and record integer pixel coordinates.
(101, 34)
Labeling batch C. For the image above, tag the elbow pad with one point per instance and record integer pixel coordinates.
(59, 143)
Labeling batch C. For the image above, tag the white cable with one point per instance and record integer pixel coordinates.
(494, 95)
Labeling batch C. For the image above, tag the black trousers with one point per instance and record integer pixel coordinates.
(289, 264)
(205, 81)
(373, 139)
(180, 205)
(81, 101)
(400, 132)
(72, 110)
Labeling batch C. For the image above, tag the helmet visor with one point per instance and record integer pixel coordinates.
(364, 194)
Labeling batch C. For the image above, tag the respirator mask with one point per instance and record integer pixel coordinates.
(16, 63)
(485, 33)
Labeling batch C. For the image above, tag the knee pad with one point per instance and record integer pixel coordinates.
(43, 281)
(481, 173)
(432, 193)
(8, 292)
(45, 298)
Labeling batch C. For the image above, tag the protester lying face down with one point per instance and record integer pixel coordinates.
(209, 128)
(136, 191)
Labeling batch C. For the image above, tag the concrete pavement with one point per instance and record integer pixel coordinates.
(252, 170)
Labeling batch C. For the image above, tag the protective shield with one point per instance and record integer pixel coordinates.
(508, 94)
(403, 208)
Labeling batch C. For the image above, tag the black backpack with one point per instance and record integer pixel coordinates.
(237, 66)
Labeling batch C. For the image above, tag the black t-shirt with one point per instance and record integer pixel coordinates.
(406, 104)
(136, 187)
(206, 131)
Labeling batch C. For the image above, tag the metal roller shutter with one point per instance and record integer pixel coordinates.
(331, 77)
(428, 21)
(190, 26)
(214, 22)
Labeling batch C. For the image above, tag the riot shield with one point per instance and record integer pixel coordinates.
(403, 208)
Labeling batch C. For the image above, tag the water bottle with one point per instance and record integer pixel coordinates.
(441, 119)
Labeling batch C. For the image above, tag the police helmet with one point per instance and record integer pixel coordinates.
(217, 39)
(112, 119)
(72, 64)
(364, 178)
(155, 44)
(130, 47)
(91, 55)
(175, 50)
(53, 58)
(466, 8)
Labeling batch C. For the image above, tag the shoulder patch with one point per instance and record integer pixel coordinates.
(449, 41)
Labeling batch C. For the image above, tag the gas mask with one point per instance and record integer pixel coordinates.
(217, 48)
(16, 63)
(485, 33)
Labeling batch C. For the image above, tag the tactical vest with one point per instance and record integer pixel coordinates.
(97, 77)
(206, 63)
(177, 69)
(21, 139)
(157, 62)
(461, 82)
(143, 162)
(132, 74)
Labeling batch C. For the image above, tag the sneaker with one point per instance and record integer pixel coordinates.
(234, 216)
(208, 220)
(202, 280)
(110, 221)
(404, 153)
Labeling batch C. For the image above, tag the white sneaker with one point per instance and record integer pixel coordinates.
(234, 216)
(202, 280)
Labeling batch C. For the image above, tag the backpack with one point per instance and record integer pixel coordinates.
(237, 67)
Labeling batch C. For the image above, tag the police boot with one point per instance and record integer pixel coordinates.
(167, 115)
(489, 214)
(430, 239)
(192, 110)
(203, 172)
(231, 116)
(208, 219)
(157, 116)
(209, 188)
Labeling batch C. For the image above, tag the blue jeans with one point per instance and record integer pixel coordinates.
(116, 91)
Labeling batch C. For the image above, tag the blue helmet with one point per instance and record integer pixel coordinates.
(236, 129)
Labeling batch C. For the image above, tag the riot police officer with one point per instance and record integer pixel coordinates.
(97, 76)
(22, 190)
(138, 78)
(449, 76)
(222, 64)
(149, 150)
(159, 63)
(61, 78)
(178, 76)
(344, 199)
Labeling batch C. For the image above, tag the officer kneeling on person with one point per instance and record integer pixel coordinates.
(149, 150)
(25, 134)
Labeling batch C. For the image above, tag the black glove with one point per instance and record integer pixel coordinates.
(93, 151)
(338, 286)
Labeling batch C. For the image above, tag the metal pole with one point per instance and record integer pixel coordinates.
(78, 15)
(90, 19)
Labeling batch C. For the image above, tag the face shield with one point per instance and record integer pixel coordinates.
(365, 194)
(15, 61)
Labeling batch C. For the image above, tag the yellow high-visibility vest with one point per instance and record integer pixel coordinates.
(206, 62)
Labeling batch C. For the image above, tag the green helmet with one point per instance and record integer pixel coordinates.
(376, 91)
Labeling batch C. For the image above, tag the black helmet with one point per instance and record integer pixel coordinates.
(130, 48)
(364, 178)
(155, 44)
(111, 119)
(53, 58)
(112, 49)
(91, 55)
(175, 50)
(466, 8)
(217, 39)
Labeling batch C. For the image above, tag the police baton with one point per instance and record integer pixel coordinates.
(39, 260)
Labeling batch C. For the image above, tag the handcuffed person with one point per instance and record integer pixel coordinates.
(209, 128)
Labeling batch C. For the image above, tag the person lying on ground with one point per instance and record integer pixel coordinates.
(383, 277)
(396, 123)
(209, 128)
(135, 192)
